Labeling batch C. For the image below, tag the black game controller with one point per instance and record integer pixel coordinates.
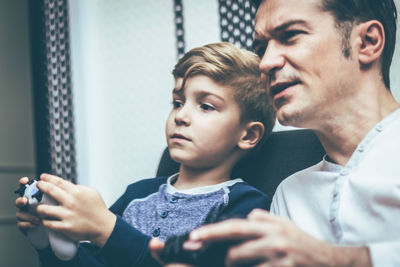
(41, 237)
(209, 255)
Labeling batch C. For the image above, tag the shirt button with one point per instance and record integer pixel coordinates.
(379, 128)
(361, 148)
(164, 214)
(156, 232)
(174, 200)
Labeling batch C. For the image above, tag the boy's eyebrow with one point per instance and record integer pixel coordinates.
(202, 94)
(177, 91)
(199, 94)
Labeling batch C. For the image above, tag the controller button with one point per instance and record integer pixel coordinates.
(164, 214)
(156, 232)
(174, 199)
(38, 195)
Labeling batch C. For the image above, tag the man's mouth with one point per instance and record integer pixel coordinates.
(279, 87)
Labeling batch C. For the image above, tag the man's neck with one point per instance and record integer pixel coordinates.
(341, 134)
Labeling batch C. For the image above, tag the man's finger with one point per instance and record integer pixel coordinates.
(250, 253)
(263, 215)
(233, 229)
(156, 246)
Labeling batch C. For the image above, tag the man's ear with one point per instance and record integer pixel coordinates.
(252, 134)
(372, 41)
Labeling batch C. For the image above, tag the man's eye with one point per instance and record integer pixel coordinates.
(289, 35)
(177, 104)
(206, 107)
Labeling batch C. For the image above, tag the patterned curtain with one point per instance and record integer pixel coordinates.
(179, 29)
(237, 22)
(51, 69)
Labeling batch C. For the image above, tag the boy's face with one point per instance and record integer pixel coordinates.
(204, 127)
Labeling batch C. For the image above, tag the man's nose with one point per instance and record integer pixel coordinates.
(272, 60)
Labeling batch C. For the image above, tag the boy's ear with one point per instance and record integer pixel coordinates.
(252, 134)
(371, 41)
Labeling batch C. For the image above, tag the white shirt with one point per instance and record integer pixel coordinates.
(354, 205)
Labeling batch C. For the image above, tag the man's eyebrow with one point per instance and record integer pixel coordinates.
(276, 30)
(287, 24)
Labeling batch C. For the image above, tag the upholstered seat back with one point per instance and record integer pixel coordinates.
(283, 154)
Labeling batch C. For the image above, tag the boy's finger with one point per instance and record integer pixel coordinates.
(24, 226)
(51, 211)
(57, 181)
(55, 225)
(21, 202)
(54, 191)
(27, 217)
(23, 180)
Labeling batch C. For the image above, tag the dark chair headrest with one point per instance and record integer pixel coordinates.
(283, 154)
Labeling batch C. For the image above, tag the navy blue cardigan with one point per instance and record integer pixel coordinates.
(126, 245)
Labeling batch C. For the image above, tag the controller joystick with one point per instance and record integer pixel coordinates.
(209, 255)
(41, 237)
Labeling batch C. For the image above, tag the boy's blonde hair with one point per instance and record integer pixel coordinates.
(236, 68)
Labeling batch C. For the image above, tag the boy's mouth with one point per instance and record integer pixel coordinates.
(180, 136)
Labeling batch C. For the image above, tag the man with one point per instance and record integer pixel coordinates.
(326, 65)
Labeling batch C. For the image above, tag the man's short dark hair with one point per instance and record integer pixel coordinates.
(350, 12)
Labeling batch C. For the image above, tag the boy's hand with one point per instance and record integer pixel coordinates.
(81, 213)
(25, 219)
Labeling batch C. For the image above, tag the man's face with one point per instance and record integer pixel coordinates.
(204, 126)
(302, 61)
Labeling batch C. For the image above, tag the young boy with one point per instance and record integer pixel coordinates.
(220, 112)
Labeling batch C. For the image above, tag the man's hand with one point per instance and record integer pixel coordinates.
(269, 240)
(81, 213)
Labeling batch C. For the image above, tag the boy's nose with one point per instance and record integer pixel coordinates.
(182, 117)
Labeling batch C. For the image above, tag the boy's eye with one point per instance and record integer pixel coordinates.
(206, 107)
(177, 103)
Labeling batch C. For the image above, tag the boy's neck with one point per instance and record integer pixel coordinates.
(191, 177)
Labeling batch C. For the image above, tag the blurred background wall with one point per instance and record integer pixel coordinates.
(122, 54)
